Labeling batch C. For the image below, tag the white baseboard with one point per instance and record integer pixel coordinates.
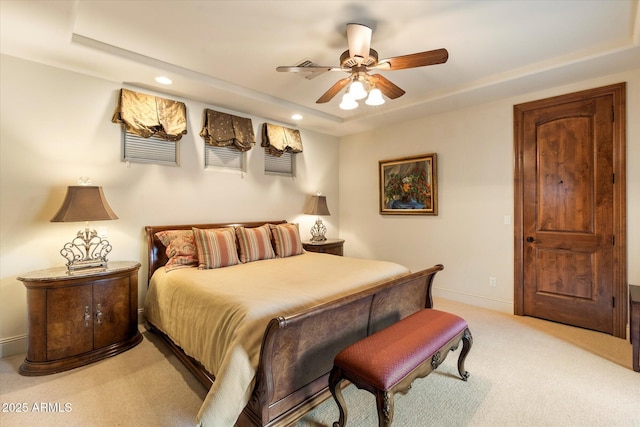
(471, 299)
(13, 346)
(484, 302)
(18, 344)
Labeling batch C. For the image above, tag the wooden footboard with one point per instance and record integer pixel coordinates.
(298, 351)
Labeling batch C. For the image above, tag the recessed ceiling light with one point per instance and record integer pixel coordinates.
(164, 80)
(296, 116)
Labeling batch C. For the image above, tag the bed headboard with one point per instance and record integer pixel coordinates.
(157, 254)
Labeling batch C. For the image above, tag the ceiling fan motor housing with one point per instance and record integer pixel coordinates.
(346, 61)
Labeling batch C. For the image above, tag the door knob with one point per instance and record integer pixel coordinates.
(530, 239)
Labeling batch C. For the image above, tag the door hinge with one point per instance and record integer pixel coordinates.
(613, 302)
(613, 240)
(613, 178)
(613, 114)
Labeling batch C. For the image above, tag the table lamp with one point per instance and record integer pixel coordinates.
(317, 205)
(87, 250)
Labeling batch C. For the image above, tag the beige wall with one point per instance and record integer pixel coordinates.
(56, 126)
(475, 180)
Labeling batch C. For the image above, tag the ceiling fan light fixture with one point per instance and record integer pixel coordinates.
(348, 103)
(356, 90)
(375, 97)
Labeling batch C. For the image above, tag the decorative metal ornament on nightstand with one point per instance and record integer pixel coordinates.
(318, 231)
(317, 205)
(87, 250)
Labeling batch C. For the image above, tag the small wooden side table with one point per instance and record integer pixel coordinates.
(634, 324)
(329, 246)
(81, 317)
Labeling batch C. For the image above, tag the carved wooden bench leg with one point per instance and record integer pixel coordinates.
(384, 401)
(467, 342)
(335, 378)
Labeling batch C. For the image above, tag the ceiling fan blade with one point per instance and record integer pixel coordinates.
(389, 89)
(333, 90)
(359, 40)
(421, 59)
(309, 68)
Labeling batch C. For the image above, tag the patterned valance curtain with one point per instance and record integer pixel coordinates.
(146, 115)
(279, 139)
(226, 130)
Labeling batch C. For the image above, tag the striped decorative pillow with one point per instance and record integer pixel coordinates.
(181, 248)
(286, 238)
(216, 247)
(255, 243)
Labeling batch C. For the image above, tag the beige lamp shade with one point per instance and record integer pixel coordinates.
(316, 205)
(84, 203)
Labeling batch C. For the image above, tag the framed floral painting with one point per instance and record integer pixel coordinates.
(408, 186)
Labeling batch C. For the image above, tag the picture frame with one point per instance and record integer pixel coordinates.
(409, 185)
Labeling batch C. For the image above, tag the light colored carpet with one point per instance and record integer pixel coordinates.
(145, 386)
(524, 372)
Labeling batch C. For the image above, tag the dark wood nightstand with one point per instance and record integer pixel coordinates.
(79, 318)
(329, 246)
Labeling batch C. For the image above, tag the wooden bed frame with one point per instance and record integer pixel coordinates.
(298, 350)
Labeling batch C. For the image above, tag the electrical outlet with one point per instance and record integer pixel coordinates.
(493, 282)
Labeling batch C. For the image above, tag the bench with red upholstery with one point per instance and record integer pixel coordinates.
(388, 361)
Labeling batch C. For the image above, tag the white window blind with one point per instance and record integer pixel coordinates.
(223, 157)
(149, 150)
(283, 165)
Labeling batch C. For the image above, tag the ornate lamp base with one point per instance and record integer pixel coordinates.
(86, 265)
(318, 231)
(86, 250)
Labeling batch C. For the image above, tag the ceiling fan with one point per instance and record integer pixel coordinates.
(359, 61)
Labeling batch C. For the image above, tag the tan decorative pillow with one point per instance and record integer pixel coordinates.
(286, 238)
(216, 247)
(181, 248)
(255, 243)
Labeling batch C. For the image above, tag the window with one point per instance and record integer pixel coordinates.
(149, 150)
(223, 158)
(283, 165)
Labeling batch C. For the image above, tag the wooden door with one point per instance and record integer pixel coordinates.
(569, 266)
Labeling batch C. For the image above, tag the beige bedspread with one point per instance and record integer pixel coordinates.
(219, 316)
